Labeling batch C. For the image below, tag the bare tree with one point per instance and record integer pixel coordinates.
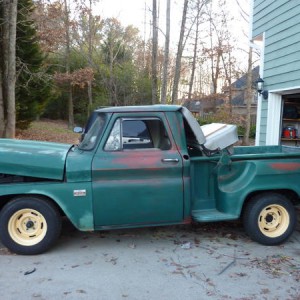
(166, 55)
(113, 43)
(179, 53)
(223, 53)
(199, 6)
(67, 63)
(90, 52)
(2, 116)
(154, 53)
(214, 53)
(49, 19)
(9, 67)
(248, 99)
(249, 89)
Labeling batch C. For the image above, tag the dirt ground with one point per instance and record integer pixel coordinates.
(207, 261)
(50, 131)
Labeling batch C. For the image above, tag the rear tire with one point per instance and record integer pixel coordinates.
(29, 225)
(269, 218)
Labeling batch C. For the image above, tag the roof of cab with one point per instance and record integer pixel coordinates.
(142, 108)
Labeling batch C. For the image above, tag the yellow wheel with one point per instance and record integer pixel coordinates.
(273, 220)
(27, 227)
(269, 218)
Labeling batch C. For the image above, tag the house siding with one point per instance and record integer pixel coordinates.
(263, 125)
(280, 22)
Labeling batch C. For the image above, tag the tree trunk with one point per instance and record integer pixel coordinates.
(227, 71)
(2, 116)
(9, 66)
(90, 97)
(70, 108)
(67, 54)
(2, 106)
(179, 53)
(154, 53)
(166, 55)
(112, 97)
(191, 83)
(90, 58)
(248, 99)
(214, 55)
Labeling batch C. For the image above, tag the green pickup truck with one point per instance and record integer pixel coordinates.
(145, 166)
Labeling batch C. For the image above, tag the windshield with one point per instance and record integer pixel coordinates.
(94, 132)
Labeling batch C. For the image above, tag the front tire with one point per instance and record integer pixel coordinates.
(269, 219)
(29, 225)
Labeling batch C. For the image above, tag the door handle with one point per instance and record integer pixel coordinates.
(170, 160)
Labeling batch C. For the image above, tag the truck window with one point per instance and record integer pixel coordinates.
(148, 133)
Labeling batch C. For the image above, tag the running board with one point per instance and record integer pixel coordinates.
(211, 215)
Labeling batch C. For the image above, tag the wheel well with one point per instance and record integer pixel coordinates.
(5, 199)
(291, 195)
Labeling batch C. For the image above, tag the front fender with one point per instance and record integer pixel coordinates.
(74, 199)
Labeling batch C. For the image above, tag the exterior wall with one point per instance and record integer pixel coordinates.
(263, 123)
(279, 23)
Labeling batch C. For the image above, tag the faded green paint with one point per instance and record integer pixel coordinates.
(113, 189)
(141, 109)
(79, 210)
(219, 190)
(138, 179)
(176, 124)
(32, 158)
(78, 165)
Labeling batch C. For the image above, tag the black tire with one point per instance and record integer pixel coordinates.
(29, 225)
(269, 218)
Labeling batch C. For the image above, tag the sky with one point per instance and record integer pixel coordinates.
(138, 12)
(133, 12)
(128, 11)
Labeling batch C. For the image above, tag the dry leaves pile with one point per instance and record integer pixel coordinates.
(50, 131)
(278, 265)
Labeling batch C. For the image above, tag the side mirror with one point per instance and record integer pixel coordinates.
(78, 130)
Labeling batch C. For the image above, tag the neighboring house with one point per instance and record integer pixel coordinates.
(207, 105)
(238, 88)
(276, 29)
(202, 106)
(238, 92)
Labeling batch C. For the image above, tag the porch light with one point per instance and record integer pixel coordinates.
(260, 88)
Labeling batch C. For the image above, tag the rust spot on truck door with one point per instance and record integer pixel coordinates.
(286, 166)
(138, 160)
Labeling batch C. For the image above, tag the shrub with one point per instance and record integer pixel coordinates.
(223, 116)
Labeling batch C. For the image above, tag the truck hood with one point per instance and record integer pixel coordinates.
(33, 158)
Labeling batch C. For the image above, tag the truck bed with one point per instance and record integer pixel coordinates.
(264, 152)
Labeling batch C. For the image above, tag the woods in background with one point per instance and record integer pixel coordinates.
(65, 60)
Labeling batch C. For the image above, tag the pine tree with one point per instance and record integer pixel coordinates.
(33, 89)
